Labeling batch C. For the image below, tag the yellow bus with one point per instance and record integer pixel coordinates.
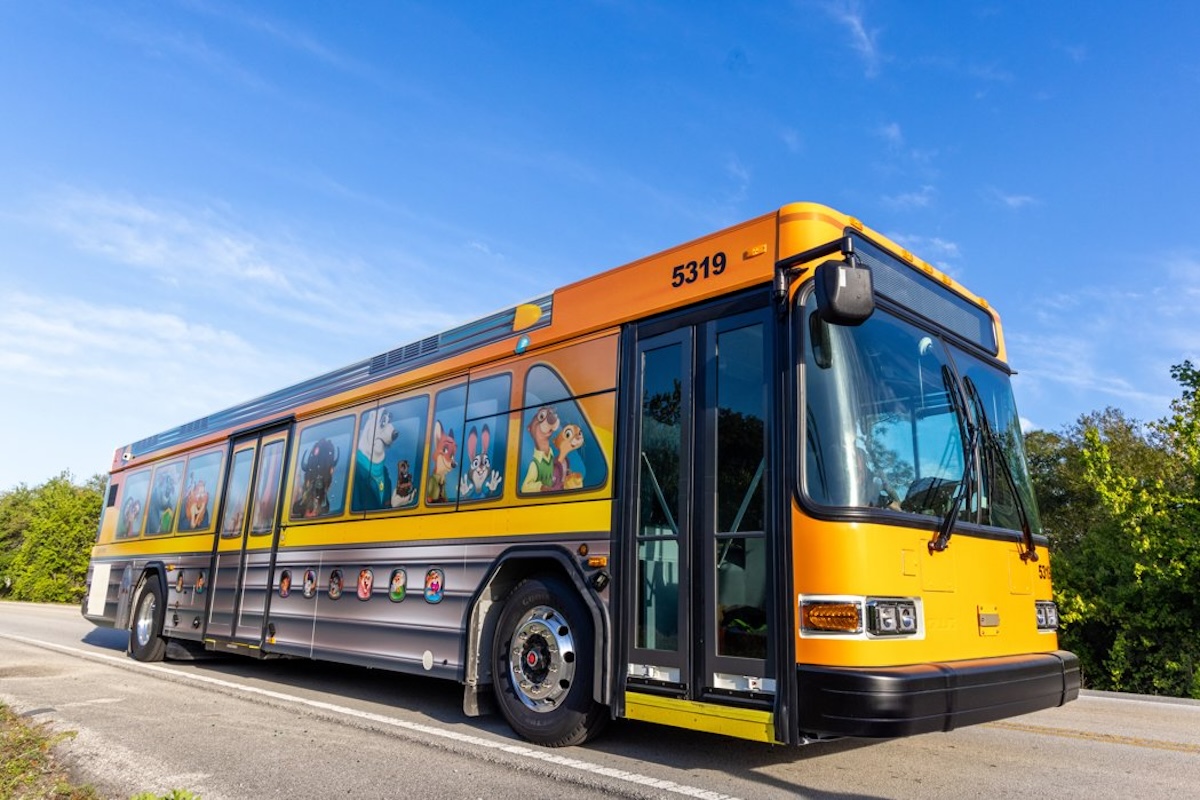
(769, 483)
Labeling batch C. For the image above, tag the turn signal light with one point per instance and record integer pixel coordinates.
(830, 617)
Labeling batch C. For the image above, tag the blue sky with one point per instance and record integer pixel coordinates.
(201, 202)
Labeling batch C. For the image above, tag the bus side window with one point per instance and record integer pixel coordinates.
(485, 439)
(133, 505)
(445, 446)
(200, 490)
(390, 452)
(559, 448)
(164, 498)
(321, 465)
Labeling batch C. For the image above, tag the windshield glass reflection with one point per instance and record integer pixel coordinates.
(881, 429)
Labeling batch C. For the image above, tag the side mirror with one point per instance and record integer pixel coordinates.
(845, 293)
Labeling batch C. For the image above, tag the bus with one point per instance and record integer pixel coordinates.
(769, 484)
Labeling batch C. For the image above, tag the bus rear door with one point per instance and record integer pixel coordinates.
(248, 532)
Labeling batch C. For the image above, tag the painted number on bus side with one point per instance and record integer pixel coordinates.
(692, 271)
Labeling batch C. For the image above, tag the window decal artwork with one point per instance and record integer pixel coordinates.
(486, 438)
(133, 505)
(321, 467)
(388, 456)
(442, 479)
(200, 492)
(164, 498)
(560, 450)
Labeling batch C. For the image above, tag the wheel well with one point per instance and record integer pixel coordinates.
(510, 570)
(152, 572)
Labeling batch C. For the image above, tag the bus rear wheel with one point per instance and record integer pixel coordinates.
(145, 629)
(542, 664)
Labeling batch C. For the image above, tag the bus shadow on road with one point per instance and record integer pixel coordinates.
(107, 639)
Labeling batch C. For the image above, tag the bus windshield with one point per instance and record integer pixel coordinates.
(888, 412)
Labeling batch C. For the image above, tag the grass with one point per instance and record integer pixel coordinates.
(29, 770)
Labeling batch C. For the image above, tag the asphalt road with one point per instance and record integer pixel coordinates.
(232, 728)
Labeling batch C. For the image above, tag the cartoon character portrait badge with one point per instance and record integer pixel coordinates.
(435, 585)
(285, 583)
(366, 580)
(335, 584)
(200, 583)
(398, 585)
(310, 583)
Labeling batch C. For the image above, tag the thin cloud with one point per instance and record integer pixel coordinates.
(1010, 200)
(862, 39)
(1088, 343)
(921, 198)
(892, 134)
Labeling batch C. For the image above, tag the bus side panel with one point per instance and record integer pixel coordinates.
(397, 607)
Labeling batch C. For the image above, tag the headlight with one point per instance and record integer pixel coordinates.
(886, 617)
(1047, 615)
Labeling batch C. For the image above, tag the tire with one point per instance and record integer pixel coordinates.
(146, 642)
(542, 664)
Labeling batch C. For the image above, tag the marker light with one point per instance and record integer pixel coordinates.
(1047, 615)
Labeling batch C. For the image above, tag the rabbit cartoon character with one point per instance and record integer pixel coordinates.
(479, 478)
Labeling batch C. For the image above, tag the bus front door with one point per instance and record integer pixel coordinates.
(698, 637)
(241, 572)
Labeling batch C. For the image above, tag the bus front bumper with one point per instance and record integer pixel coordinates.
(884, 702)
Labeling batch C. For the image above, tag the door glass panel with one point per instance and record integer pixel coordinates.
(659, 500)
(266, 488)
(740, 556)
(237, 493)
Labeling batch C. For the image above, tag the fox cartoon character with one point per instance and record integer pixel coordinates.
(372, 482)
(540, 475)
(479, 478)
(568, 440)
(441, 463)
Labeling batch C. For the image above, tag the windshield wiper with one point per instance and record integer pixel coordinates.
(971, 437)
(992, 443)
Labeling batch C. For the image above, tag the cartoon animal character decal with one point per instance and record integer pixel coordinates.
(372, 482)
(366, 582)
(195, 507)
(568, 440)
(479, 477)
(540, 475)
(398, 585)
(335, 584)
(162, 502)
(441, 463)
(316, 469)
(131, 518)
(405, 487)
(435, 585)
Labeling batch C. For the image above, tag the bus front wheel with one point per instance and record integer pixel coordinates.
(145, 630)
(542, 664)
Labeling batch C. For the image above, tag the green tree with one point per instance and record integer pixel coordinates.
(50, 564)
(1122, 503)
(16, 509)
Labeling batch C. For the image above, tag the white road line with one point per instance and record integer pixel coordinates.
(524, 751)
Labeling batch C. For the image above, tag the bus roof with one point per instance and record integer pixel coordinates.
(742, 256)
